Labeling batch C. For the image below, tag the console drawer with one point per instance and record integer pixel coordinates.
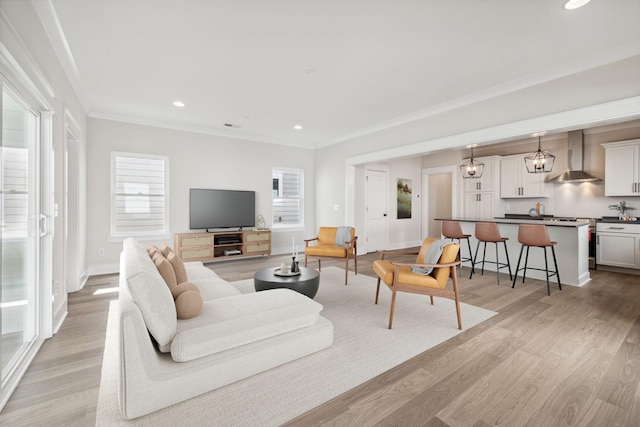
(196, 254)
(191, 241)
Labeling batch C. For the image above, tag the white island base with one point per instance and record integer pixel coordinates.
(572, 250)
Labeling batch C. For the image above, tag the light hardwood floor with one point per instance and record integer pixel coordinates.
(572, 358)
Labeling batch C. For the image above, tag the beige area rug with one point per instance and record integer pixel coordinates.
(363, 348)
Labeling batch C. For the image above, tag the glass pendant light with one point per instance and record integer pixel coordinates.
(540, 161)
(471, 168)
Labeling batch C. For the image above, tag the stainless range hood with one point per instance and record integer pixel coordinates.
(574, 173)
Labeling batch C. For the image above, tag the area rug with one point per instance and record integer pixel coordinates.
(363, 348)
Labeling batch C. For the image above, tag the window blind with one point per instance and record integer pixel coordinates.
(139, 196)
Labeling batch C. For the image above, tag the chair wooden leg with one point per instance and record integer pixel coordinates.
(431, 297)
(305, 260)
(377, 290)
(454, 280)
(393, 306)
(346, 271)
(319, 266)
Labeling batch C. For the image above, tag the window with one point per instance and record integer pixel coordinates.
(139, 195)
(287, 188)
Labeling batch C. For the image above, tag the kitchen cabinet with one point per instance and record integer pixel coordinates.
(479, 194)
(479, 205)
(618, 245)
(516, 182)
(622, 168)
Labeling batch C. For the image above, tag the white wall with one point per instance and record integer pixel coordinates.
(405, 232)
(195, 161)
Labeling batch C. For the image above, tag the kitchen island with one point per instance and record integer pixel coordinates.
(572, 250)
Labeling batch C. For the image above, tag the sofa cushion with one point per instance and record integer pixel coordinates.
(165, 269)
(178, 267)
(214, 288)
(226, 323)
(197, 270)
(149, 292)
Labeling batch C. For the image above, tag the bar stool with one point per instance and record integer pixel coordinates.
(453, 230)
(536, 235)
(488, 232)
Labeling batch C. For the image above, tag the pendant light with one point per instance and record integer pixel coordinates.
(471, 168)
(540, 161)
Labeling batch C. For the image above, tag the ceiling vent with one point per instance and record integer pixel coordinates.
(574, 172)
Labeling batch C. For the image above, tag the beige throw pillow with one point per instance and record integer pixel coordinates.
(166, 250)
(166, 270)
(178, 267)
(187, 299)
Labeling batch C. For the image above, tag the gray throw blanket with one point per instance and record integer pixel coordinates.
(432, 256)
(343, 234)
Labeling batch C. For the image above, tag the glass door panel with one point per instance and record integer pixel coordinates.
(19, 234)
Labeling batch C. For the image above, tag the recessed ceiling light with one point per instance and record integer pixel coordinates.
(297, 127)
(574, 4)
(178, 103)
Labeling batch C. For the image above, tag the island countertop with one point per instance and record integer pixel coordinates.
(549, 221)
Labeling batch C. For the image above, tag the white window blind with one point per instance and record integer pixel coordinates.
(139, 194)
(288, 202)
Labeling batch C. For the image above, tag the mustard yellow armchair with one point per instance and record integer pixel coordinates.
(400, 278)
(324, 245)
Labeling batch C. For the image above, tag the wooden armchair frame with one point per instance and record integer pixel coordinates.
(425, 289)
(351, 247)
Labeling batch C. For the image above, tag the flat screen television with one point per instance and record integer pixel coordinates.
(210, 208)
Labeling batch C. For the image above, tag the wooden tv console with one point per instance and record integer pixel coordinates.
(222, 245)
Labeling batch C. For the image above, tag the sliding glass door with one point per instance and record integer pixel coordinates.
(20, 227)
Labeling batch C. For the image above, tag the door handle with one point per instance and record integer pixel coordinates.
(43, 225)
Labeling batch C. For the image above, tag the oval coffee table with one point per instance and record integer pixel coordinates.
(306, 282)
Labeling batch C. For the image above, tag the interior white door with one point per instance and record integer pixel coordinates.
(376, 207)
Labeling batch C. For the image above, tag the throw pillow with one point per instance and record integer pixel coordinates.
(183, 287)
(188, 304)
(166, 250)
(152, 250)
(166, 270)
(178, 267)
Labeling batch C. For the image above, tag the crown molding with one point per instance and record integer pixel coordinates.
(623, 52)
(205, 130)
(58, 40)
(22, 67)
(600, 114)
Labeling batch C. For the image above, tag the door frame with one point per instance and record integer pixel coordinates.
(455, 193)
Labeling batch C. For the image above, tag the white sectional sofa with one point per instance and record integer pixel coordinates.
(165, 360)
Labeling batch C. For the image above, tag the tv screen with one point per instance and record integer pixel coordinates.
(221, 208)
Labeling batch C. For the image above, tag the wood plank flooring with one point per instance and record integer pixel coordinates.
(572, 358)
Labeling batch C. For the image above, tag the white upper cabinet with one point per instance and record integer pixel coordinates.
(621, 168)
(480, 198)
(516, 182)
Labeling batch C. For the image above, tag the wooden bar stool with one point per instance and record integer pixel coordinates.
(536, 235)
(488, 232)
(453, 230)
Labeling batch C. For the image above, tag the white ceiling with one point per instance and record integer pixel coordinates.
(339, 68)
